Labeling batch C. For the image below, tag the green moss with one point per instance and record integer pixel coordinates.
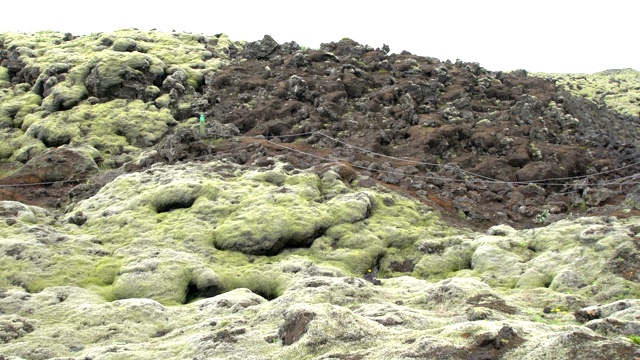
(73, 60)
(125, 44)
(556, 236)
(394, 259)
(171, 48)
(357, 262)
(64, 96)
(266, 228)
(165, 281)
(63, 270)
(6, 150)
(353, 236)
(4, 77)
(308, 185)
(15, 105)
(266, 283)
(113, 128)
(635, 339)
(619, 89)
(25, 148)
(113, 68)
(54, 133)
(106, 270)
(163, 101)
(174, 196)
(331, 184)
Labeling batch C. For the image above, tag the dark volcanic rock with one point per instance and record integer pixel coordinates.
(260, 49)
(539, 171)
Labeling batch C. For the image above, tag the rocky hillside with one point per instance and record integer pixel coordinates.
(187, 196)
(487, 147)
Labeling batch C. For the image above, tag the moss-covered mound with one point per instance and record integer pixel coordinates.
(211, 259)
(119, 92)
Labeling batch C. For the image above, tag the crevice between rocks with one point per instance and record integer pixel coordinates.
(182, 203)
(194, 293)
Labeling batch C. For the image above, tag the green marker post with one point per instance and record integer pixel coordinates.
(202, 132)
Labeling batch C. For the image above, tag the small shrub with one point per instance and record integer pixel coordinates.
(543, 217)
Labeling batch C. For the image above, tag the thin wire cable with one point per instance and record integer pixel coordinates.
(481, 179)
(43, 183)
(478, 175)
(224, 151)
(443, 178)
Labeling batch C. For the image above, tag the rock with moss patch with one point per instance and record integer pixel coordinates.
(56, 164)
(14, 327)
(313, 326)
(125, 44)
(115, 75)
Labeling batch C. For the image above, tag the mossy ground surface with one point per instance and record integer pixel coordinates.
(149, 255)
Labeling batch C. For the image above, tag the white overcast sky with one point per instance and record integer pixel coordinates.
(540, 36)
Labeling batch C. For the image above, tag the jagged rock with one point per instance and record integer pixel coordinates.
(354, 86)
(49, 78)
(218, 130)
(297, 87)
(261, 49)
(184, 144)
(633, 199)
(299, 60)
(319, 56)
(402, 90)
(176, 83)
(594, 197)
(78, 218)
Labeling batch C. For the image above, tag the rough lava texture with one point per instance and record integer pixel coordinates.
(337, 203)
